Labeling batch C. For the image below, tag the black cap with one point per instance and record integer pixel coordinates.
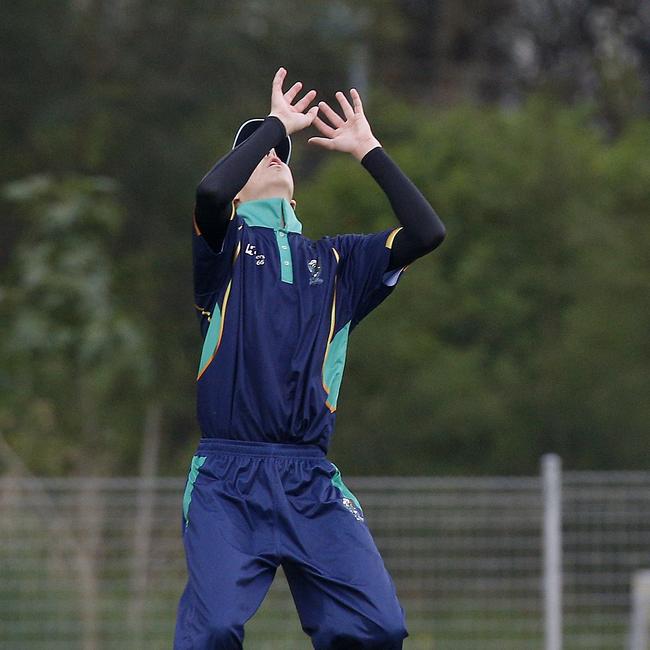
(283, 149)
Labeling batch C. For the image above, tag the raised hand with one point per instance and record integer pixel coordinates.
(292, 116)
(352, 134)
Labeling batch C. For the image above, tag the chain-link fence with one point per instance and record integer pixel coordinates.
(98, 563)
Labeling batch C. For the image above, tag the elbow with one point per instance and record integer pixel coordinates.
(209, 195)
(442, 233)
(435, 231)
(424, 242)
(432, 242)
(437, 237)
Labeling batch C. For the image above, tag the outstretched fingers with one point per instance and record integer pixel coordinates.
(335, 119)
(276, 86)
(311, 114)
(302, 104)
(345, 105)
(293, 91)
(326, 143)
(356, 101)
(324, 128)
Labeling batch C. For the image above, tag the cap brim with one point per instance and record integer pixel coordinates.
(283, 149)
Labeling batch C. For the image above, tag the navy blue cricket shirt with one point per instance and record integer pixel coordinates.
(276, 312)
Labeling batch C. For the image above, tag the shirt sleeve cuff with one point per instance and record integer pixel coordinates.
(282, 131)
(374, 158)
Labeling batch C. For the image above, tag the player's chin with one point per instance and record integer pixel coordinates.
(283, 170)
(285, 178)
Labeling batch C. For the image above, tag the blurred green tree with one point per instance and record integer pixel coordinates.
(522, 334)
(75, 365)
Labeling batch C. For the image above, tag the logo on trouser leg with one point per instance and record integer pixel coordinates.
(350, 505)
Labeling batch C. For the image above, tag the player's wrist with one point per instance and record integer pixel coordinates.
(282, 120)
(362, 148)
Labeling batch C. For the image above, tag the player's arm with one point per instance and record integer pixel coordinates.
(221, 184)
(422, 230)
(218, 188)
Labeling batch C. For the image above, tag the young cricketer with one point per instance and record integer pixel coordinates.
(276, 310)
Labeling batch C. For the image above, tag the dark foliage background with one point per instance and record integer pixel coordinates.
(525, 123)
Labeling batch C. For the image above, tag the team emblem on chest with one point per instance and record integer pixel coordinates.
(314, 271)
(252, 251)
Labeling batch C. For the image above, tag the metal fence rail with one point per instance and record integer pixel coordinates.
(98, 563)
(606, 539)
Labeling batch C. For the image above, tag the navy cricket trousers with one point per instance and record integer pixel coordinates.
(249, 507)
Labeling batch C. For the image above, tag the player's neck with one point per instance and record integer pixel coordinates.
(273, 212)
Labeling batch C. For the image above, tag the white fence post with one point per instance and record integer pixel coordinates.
(552, 494)
(640, 623)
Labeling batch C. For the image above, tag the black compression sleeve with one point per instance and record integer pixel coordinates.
(220, 185)
(422, 228)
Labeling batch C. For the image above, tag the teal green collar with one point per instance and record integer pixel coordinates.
(275, 213)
